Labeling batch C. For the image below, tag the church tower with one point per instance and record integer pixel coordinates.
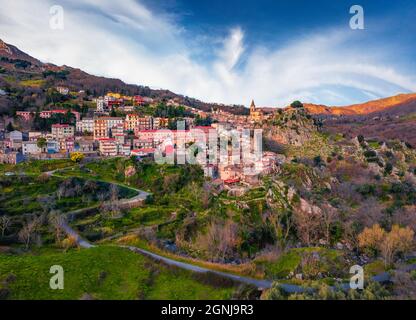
(255, 114)
(252, 107)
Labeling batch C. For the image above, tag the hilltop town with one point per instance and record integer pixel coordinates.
(120, 125)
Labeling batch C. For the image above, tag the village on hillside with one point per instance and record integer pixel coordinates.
(116, 127)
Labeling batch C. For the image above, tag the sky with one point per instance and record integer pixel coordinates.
(272, 51)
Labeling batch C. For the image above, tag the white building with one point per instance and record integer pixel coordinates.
(124, 149)
(62, 90)
(85, 125)
(34, 135)
(15, 136)
(100, 104)
(113, 122)
(30, 147)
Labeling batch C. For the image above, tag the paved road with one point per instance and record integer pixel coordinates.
(260, 284)
(141, 195)
(71, 232)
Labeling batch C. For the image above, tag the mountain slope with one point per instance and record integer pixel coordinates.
(402, 103)
(18, 66)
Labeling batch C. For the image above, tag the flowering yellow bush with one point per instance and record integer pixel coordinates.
(389, 244)
(77, 157)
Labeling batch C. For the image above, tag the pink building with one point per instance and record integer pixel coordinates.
(27, 115)
(108, 147)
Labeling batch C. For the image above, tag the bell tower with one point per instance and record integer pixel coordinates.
(252, 107)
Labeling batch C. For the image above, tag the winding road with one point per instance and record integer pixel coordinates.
(260, 284)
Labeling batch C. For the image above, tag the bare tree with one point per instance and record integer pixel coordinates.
(28, 232)
(307, 224)
(5, 222)
(369, 213)
(329, 217)
(405, 216)
(404, 287)
(60, 192)
(57, 221)
(101, 197)
(221, 240)
(47, 203)
(114, 193)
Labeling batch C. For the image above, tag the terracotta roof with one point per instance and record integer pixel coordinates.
(144, 150)
(229, 181)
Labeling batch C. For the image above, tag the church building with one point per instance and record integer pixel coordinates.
(255, 114)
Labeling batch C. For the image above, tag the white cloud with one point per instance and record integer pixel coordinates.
(130, 42)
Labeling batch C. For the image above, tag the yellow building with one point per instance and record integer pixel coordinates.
(114, 95)
(255, 114)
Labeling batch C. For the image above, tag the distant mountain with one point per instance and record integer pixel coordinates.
(397, 105)
(20, 66)
(9, 51)
(389, 118)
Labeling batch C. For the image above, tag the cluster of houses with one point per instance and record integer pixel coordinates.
(102, 135)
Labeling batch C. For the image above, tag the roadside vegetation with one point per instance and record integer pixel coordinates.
(101, 273)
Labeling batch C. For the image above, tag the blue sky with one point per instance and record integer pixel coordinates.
(229, 51)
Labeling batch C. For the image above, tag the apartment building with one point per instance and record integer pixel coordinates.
(108, 147)
(160, 123)
(30, 147)
(100, 129)
(85, 125)
(135, 122)
(62, 131)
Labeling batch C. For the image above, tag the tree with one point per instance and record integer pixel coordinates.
(10, 127)
(396, 241)
(77, 157)
(389, 244)
(307, 223)
(5, 222)
(114, 193)
(112, 208)
(221, 240)
(57, 220)
(329, 218)
(322, 291)
(296, 104)
(70, 242)
(371, 238)
(28, 231)
(279, 219)
(41, 143)
(369, 213)
(388, 169)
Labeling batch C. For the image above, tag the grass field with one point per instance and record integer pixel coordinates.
(21, 195)
(100, 273)
(32, 83)
(36, 166)
(290, 262)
